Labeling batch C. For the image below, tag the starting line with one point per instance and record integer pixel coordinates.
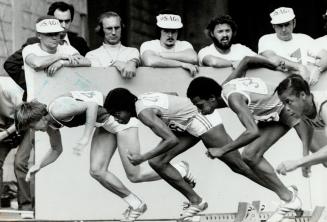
(247, 212)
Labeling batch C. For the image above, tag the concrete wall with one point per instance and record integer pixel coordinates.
(17, 22)
(67, 187)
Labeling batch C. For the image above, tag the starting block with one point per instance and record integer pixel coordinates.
(254, 212)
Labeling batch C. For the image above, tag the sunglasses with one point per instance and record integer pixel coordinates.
(52, 34)
(65, 21)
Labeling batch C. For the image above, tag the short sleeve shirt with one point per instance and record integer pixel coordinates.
(237, 52)
(297, 49)
(106, 55)
(36, 50)
(154, 45)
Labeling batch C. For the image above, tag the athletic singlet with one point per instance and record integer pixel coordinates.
(177, 112)
(79, 119)
(319, 99)
(262, 102)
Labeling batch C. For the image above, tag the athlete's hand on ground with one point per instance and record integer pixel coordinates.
(193, 69)
(34, 169)
(286, 166)
(135, 159)
(306, 171)
(80, 146)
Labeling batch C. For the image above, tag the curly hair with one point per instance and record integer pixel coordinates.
(120, 99)
(204, 88)
(223, 19)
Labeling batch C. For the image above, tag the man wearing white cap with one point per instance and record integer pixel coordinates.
(168, 51)
(48, 55)
(292, 49)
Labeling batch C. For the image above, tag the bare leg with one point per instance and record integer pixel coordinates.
(128, 141)
(218, 137)
(103, 147)
(253, 156)
(161, 164)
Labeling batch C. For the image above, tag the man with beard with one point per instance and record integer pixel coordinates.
(112, 53)
(167, 51)
(222, 52)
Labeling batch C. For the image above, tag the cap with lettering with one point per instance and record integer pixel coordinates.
(169, 21)
(282, 15)
(48, 26)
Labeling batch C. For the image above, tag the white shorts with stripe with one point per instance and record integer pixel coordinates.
(112, 126)
(203, 123)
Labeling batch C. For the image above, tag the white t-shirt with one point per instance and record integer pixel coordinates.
(237, 52)
(10, 97)
(36, 50)
(297, 49)
(106, 55)
(154, 45)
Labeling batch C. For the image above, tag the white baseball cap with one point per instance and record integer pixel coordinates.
(49, 25)
(282, 15)
(169, 21)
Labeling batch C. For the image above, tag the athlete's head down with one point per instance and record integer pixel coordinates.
(31, 115)
(204, 93)
(120, 103)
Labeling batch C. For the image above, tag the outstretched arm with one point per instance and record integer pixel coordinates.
(318, 157)
(249, 62)
(169, 140)
(287, 65)
(305, 133)
(237, 102)
(51, 156)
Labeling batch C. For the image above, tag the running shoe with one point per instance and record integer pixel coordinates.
(285, 207)
(131, 214)
(190, 210)
(189, 178)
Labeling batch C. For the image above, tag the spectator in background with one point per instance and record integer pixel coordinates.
(112, 52)
(222, 52)
(10, 97)
(168, 51)
(284, 46)
(65, 14)
(49, 55)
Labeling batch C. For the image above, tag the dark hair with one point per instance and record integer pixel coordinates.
(62, 6)
(204, 88)
(99, 28)
(223, 19)
(120, 99)
(294, 82)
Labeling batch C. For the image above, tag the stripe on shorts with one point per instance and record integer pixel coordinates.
(204, 121)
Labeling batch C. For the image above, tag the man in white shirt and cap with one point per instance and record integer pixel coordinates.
(291, 49)
(48, 55)
(167, 51)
